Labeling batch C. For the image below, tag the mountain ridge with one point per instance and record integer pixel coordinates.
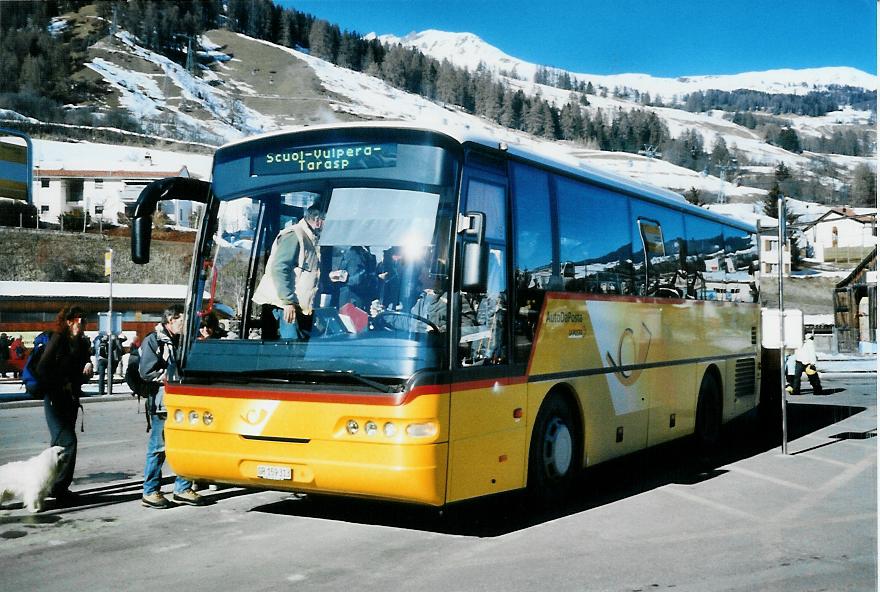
(468, 50)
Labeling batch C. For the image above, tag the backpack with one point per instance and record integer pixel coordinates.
(29, 376)
(138, 386)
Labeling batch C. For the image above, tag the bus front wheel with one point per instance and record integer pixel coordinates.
(554, 453)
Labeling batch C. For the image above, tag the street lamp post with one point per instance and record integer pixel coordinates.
(781, 275)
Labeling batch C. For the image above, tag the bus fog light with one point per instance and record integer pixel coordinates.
(352, 427)
(207, 418)
(178, 415)
(370, 428)
(193, 417)
(421, 430)
(390, 429)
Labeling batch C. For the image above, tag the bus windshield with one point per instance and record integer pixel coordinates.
(369, 274)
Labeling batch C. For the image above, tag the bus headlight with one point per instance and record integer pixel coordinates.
(178, 415)
(370, 428)
(421, 430)
(389, 429)
(194, 417)
(207, 418)
(352, 427)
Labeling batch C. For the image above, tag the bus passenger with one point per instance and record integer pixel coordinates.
(388, 273)
(210, 327)
(288, 287)
(431, 301)
(357, 274)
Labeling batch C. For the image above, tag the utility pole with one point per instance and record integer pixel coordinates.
(650, 151)
(781, 275)
(111, 342)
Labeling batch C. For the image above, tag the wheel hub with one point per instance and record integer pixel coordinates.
(558, 448)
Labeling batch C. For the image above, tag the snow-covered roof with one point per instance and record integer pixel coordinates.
(15, 290)
(836, 215)
(108, 173)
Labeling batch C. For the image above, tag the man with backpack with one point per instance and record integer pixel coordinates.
(158, 355)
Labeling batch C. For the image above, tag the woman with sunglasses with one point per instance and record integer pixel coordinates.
(64, 367)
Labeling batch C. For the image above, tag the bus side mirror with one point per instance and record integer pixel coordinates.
(141, 235)
(170, 188)
(475, 257)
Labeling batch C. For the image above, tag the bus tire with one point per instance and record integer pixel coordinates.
(554, 453)
(707, 425)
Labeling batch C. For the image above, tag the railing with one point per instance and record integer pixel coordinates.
(846, 254)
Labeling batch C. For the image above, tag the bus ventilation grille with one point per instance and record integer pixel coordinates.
(754, 335)
(744, 382)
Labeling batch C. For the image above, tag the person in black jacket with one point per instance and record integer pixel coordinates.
(357, 278)
(64, 367)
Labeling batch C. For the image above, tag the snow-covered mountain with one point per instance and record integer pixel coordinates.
(255, 86)
(466, 50)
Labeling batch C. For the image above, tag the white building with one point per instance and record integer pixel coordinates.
(106, 179)
(104, 193)
(842, 235)
(770, 255)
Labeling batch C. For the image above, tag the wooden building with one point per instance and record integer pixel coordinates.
(855, 308)
(31, 307)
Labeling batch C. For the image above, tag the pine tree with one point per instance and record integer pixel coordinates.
(719, 155)
(789, 140)
(771, 201)
(321, 41)
(864, 186)
(781, 173)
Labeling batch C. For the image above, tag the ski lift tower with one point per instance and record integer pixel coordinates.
(730, 165)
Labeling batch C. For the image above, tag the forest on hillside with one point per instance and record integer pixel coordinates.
(40, 58)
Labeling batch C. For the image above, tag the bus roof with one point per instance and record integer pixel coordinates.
(566, 164)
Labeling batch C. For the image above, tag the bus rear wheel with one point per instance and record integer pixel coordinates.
(554, 453)
(707, 428)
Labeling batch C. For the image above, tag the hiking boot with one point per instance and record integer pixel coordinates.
(190, 498)
(155, 500)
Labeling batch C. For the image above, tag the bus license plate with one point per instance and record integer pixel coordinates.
(274, 473)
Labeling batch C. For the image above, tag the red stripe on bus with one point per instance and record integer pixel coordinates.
(347, 398)
(240, 393)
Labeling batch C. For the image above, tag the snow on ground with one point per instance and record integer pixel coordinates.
(825, 124)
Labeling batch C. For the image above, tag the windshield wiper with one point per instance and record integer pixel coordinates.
(369, 381)
(292, 375)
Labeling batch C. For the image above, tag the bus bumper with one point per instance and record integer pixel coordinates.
(414, 473)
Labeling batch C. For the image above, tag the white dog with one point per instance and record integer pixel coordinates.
(30, 479)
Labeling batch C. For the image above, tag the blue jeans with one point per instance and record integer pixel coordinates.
(156, 458)
(300, 329)
(61, 420)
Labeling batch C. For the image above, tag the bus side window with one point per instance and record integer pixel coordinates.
(659, 251)
(482, 330)
(594, 239)
(534, 262)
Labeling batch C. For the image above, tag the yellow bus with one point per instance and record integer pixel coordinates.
(574, 317)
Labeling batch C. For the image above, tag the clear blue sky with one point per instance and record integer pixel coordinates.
(659, 37)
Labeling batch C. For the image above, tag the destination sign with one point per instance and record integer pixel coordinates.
(320, 159)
